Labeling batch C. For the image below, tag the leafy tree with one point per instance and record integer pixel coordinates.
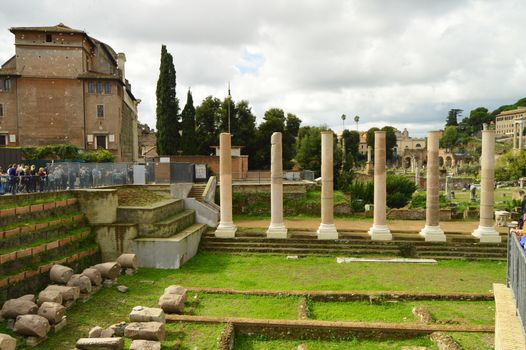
(246, 132)
(207, 116)
(309, 148)
(292, 126)
(400, 190)
(228, 106)
(511, 166)
(352, 143)
(188, 138)
(168, 139)
(452, 117)
(370, 136)
(473, 124)
(273, 121)
(390, 141)
(449, 138)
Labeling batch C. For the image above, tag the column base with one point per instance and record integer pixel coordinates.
(277, 231)
(433, 234)
(226, 230)
(487, 234)
(327, 231)
(380, 233)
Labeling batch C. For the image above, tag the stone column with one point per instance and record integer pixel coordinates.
(432, 231)
(276, 229)
(369, 165)
(486, 230)
(417, 175)
(226, 227)
(514, 135)
(379, 230)
(327, 229)
(521, 138)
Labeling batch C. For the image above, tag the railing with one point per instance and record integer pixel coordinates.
(517, 275)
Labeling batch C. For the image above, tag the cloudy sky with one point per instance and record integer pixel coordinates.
(401, 63)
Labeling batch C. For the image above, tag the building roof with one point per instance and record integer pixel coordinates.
(512, 111)
(59, 28)
(9, 72)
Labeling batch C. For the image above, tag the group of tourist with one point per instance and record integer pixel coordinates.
(22, 178)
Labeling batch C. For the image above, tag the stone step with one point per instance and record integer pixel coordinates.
(295, 251)
(172, 225)
(296, 245)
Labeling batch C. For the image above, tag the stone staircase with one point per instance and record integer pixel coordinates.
(355, 245)
(197, 191)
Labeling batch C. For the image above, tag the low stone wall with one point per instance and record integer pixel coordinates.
(115, 239)
(26, 197)
(416, 214)
(150, 214)
(299, 187)
(99, 205)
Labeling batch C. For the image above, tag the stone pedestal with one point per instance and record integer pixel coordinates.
(379, 230)
(277, 228)
(327, 229)
(432, 231)
(486, 231)
(369, 166)
(226, 227)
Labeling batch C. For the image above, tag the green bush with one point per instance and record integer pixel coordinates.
(361, 193)
(419, 200)
(511, 166)
(400, 189)
(97, 156)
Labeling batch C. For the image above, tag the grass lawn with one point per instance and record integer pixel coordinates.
(109, 306)
(137, 196)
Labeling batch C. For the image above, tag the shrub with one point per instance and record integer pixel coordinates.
(399, 191)
(361, 194)
(97, 156)
(419, 200)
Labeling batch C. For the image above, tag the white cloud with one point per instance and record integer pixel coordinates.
(403, 63)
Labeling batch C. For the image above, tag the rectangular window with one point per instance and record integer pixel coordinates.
(100, 111)
(7, 84)
(101, 141)
(49, 38)
(1, 110)
(3, 140)
(91, 87)
(108, 88)
(99, 87)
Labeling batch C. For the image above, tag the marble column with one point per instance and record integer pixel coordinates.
(327, 229)
(379, 230)
(277, 228)
(486, 230)
(369, 165)
(226, 227)
(432, 231)
(521, 138)
(514, 135)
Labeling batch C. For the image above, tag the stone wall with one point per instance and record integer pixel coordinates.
(416, 214)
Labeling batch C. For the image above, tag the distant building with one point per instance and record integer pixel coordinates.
(405, 142)
(63, 86)
(147, 142)
(504, 122)
(362, 148)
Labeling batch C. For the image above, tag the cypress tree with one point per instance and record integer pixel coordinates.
(168, 139)
(188, 138)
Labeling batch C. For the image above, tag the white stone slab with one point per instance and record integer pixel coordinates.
(395, 260)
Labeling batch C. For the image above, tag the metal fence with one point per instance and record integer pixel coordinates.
(517, 275)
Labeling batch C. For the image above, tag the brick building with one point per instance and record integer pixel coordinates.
(63, 86)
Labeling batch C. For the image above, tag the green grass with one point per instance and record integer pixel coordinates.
(247, 306)
(23, 203)
(338, 196)
(475, 341)
(261, 343)
(461, 312)
(39, 220)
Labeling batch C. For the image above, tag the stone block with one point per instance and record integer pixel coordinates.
(49, 296)
(30, 297)
(68, 293)
(145, 345)
(80, 281)
(128, 261)
(60, 274)
(147, 314)
(32, 325)
(100, 344)
(95, 332)
(53, 312)
(145, 331)
(15, 307)
(109, 270)
(7, 342)
(172, 303)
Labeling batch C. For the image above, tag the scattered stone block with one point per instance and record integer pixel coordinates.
(80, 281)
(147, 314)
(32, 325)
(59, 325)
(30, 297)
(292, 257)
(94, 276)
(7, 342)
(15, 307)
(95, 332)
(35, 341)
(60, 274)
(122, 289)
(130, 272)
(69, 294)
(53, 312)
(145, 345)
(100, 344)
(145, 331)
(118, 328)
(107, 333)
(53, 296)
(128, 261)
(423, 314)
(172, 303)
(110, 270)
(175, 289)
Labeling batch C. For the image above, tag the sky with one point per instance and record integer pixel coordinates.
(400, 63)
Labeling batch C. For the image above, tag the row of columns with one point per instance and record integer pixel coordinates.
(379, 230)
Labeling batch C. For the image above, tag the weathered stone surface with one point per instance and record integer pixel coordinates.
(32, 325)
(109, 269)
(30, 297)
(107, 333)
(53, 312)
(15, 307)
(100, 344)
(176, 289)
(7, 342)
(94, 276)
(68, 293)
(172, 303)
(49, 295)
(60, 274)
(95, 332)
(122, 289)
(118, 328)
(145, 345)
(147, 314)
(80, 281)
(128, 261)
(145, 330)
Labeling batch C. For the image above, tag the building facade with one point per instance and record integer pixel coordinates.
(63, 86)
(505, 121)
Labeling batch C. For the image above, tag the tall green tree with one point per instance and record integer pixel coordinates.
(370, 136)
(449, 138)
(452, 116)
(188, 138)
(273, 121)
(390, 141)
(352, 143)
(207, 117)
(168, 138)
(246, 132)
(229, 116)
(292, 127)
